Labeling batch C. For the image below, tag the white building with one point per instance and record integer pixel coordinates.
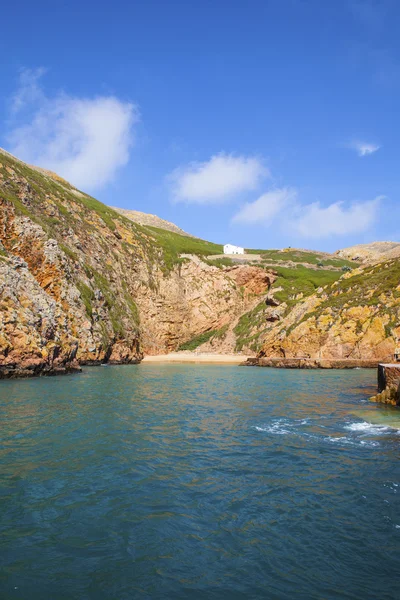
(231, 249)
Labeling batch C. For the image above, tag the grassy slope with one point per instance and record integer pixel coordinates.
(174, 244)
(293, 284)
(377, 286)
(302, 256)
(301, 281)
(198, 340)
(160, 244)
(171, 244)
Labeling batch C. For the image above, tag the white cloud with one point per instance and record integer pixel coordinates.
(29, 90)
(217, 180)
(316, 221)
(266, 207)
(283, 208)
(83, 139)
(363, 149)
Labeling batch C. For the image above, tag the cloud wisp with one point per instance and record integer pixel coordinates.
(29, 90)
(86, 140)
(316, 221)
(364, 148)
(266, 207)
(217, 180)
(282, 209)
(224, 177)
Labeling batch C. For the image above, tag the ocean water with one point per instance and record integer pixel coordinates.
(195, 481)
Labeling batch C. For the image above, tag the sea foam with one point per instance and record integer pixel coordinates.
(365, 427)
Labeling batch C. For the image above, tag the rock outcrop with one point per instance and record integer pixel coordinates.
(369, 253)
(195, 299)
(34, 335)
(146, 219)
(389, 396)
(356, 317)
(310, 363)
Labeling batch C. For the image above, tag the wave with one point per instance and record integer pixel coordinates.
(369, 428)
(298, 428)
(351, 441)
(277, 428)
(283, 426)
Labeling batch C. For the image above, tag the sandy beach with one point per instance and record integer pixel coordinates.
(193, 357)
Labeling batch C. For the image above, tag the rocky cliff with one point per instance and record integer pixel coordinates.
(355, 317)
(82, 284)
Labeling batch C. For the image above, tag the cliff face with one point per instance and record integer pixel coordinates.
(356, 317)
(197, 298)
(34, 333)
(82, 283)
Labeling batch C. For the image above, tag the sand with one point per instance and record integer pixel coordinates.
(196, 357)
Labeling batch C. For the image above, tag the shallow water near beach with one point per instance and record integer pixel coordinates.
(198, 481)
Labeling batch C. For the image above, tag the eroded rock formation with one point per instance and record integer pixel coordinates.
(356, 317)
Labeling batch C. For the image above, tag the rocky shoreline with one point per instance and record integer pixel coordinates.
(66, 365)
(55, 365)
(311, 363)
(38, 368)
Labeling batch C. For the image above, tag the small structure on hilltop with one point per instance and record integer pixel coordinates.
(231, 249)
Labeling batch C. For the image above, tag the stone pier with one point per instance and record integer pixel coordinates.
(388, 384)
(388, 375)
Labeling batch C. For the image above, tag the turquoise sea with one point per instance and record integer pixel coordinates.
(192, 481)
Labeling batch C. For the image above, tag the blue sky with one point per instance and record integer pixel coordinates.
(263, 123)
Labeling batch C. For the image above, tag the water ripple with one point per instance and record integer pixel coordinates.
(190, 481)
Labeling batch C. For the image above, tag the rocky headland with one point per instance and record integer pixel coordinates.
(354, 318)
(82, 283)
